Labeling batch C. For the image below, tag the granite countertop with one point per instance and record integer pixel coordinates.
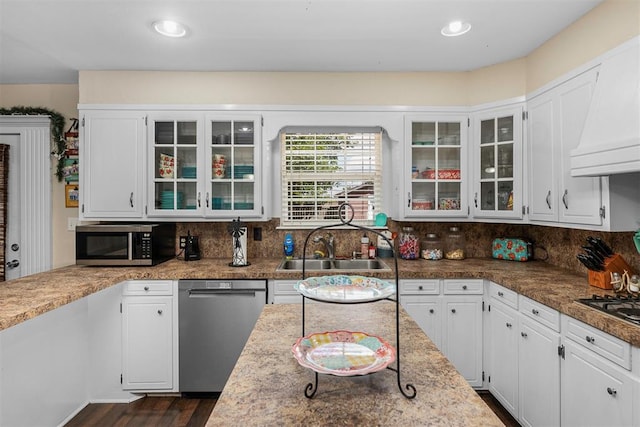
(30, 296)
(267, 384)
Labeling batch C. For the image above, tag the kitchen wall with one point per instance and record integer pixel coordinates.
(603, 28)
(557, 246)
(606, 26)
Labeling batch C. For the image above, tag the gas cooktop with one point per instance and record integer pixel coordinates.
(622, 306)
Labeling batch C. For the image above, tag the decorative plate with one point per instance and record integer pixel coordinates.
(343, 353)
(342, 288)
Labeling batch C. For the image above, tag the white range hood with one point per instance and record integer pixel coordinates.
(610, 142)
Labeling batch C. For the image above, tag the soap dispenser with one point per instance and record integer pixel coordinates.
(288, 246)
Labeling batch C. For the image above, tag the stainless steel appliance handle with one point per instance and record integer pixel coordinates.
(130, 246)
(204, 293)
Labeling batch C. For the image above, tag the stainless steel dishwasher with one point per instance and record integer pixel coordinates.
(215, 320)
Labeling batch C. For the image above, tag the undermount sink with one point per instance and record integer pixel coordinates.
(338, 264)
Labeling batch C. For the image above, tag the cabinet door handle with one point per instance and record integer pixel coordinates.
(509, 325)
(549, 199)
(612, 391)
(408, 200)
(564, 199)
(591, 340)
(453, 310)
(534, 311)
(431, 310)
(523, 334)
(131, 199)
(500, 293)
(160, 312)
(199, 199)
(207, 201)
(475, 200)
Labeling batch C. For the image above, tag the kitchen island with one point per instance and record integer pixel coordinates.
(267, 384)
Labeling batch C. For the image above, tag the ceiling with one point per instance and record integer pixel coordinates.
(48, 41)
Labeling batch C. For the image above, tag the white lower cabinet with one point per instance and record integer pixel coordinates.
(281, 291)
(596, 391)
(524, 362)
(426, 311)
(503, 355)
(149, 349)
(462, 336)
(452, 319)
(538, 374)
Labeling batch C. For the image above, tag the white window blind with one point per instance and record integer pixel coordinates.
(322, 170)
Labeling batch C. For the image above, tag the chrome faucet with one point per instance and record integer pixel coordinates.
(328, 244)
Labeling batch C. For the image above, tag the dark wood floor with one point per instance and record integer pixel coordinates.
(498, 409)
(192, 412)
(148, 411)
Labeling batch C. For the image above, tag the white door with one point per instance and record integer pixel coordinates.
(30, 176)
(12, 237)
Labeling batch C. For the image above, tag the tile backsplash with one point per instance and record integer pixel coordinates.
(561, 244)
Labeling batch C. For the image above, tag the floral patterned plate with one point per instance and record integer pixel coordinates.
(341, 288)
(343, 353)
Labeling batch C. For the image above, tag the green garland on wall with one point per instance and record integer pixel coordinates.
(57, 129)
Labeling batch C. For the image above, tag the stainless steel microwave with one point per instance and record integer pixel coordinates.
(125, 244)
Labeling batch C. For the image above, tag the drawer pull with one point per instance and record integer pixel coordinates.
(524, 334)
(453, 310)
(500, 293)
(591, 340)
(160, 312)
(509, 325)
(612, 391)
(534, 311)
(431, 310)
(464, 287)
(146, 288)
(420, 287)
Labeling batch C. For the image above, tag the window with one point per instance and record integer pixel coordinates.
(323, 169)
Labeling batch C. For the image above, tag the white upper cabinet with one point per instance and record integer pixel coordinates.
(498, 164)
(204, 165)
(434, 172)
(556, 119)
(111, 164)
(232, 166)
(174, 177)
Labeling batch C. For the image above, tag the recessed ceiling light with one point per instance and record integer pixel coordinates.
(455, 28)
(170, 28)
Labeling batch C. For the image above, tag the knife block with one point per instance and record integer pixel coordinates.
(613, 264)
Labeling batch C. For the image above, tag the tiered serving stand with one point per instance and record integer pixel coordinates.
(346, 353)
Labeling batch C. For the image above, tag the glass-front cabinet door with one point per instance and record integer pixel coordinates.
(498, 164)
(435, 166)
(174, 156)
(233, 166)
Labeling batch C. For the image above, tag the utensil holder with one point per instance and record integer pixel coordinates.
(613, 264)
